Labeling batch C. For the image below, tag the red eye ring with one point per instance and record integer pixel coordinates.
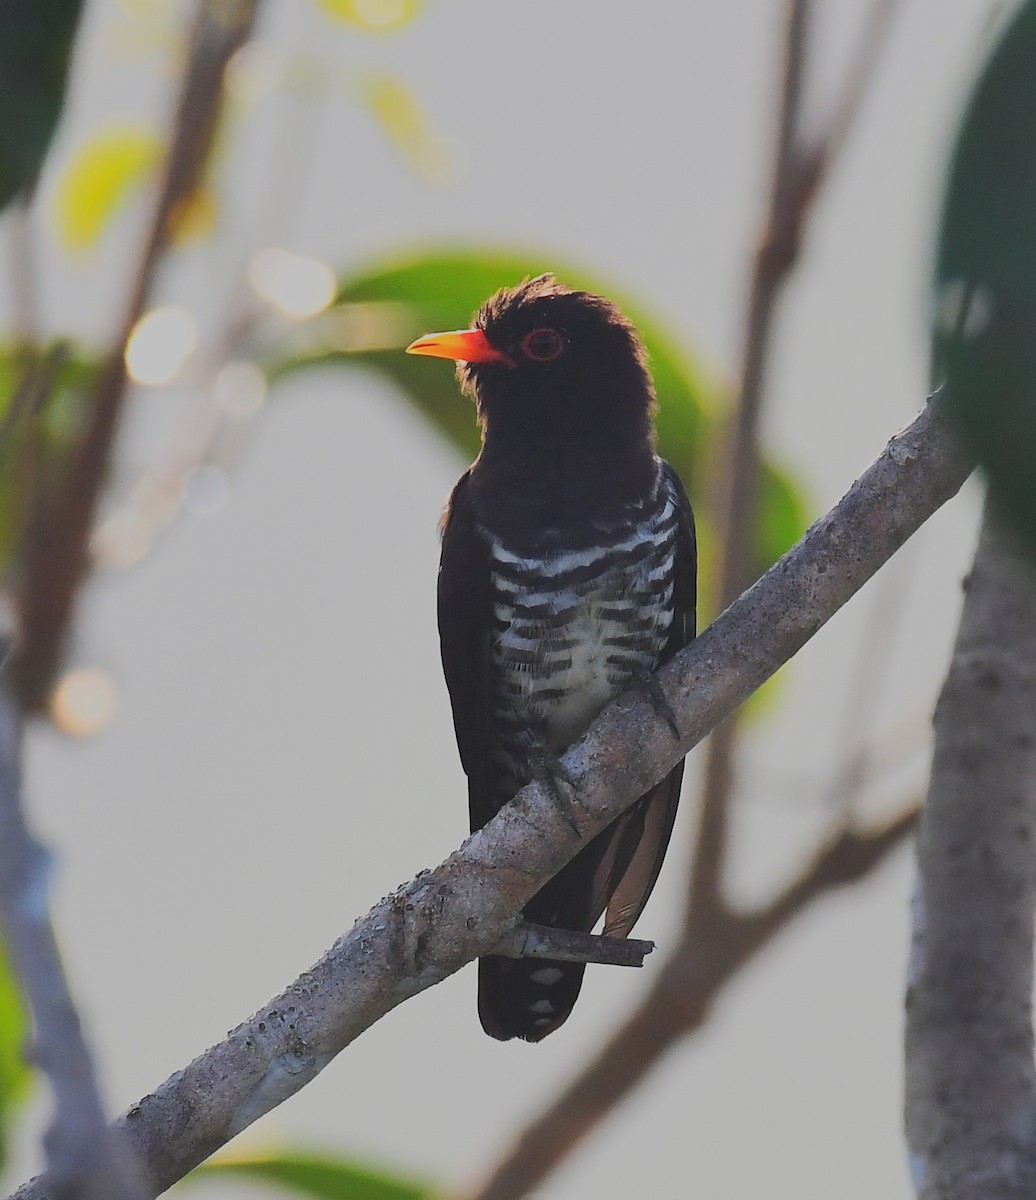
(543, 345)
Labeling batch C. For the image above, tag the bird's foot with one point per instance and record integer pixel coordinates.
(550, 773)
(646, 681)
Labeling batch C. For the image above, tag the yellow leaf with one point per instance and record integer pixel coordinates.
(405, 125)
(140, 8)
(372, 14)
(97, 180)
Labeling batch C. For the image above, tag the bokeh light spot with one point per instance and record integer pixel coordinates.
(295, 284)
(84, 702)
(160, 343)
(240, 389)
(124, 539)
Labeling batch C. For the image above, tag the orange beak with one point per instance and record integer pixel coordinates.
(464, 345)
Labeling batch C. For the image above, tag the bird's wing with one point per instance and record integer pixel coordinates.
(465, 616)
(685, 570)
(640, 843)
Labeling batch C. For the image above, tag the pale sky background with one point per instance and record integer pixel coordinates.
(283, 753)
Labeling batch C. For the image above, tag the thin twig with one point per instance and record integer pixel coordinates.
(859, 77)
(461, 909)
(790, 196)
(777, 251)
(799, 171)
(54, 554)
(567, 945)
(775, 256)
(863, 684)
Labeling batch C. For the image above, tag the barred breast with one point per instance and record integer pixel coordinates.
(573, 627)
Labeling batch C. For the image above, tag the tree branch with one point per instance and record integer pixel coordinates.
(84, 1157)
(446, 917)
(875, 30)
(790, 203)
(970, 1079)
(800, 168)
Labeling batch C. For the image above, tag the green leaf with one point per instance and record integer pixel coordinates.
(782, 514)
(317, 1175)
(34, 449)
(443, 290)
(15, 1075)
(380, 311)
(984, 338)
(34, 53)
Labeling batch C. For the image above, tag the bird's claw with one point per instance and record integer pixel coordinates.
(647, 682)
(550, 772)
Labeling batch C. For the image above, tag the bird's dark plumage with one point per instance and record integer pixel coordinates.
(567, 573)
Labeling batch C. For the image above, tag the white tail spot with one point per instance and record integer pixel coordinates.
(546, 975)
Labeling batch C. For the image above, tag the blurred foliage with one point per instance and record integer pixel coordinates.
(35, 48)
(324, 1177)
(782, 514)
(379, 311)
(405, 125)
(985, 281)
(98, 178)
(383, 15)
(14, 1073)
(34, 448)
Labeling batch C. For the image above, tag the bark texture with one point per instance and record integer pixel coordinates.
(971, 1085)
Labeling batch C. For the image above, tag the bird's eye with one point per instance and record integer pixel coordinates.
(543, 345)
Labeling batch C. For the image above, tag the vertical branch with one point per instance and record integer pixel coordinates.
(799, 170)
(858, 78)
(793, 181)
(54, 556)
(970, 1080)
(84, 1158)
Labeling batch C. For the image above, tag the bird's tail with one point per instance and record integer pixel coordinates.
(526, 998)
(529, 998)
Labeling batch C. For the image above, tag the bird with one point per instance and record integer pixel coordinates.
(567, 574)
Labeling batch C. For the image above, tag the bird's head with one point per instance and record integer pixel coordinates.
(542, 359)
